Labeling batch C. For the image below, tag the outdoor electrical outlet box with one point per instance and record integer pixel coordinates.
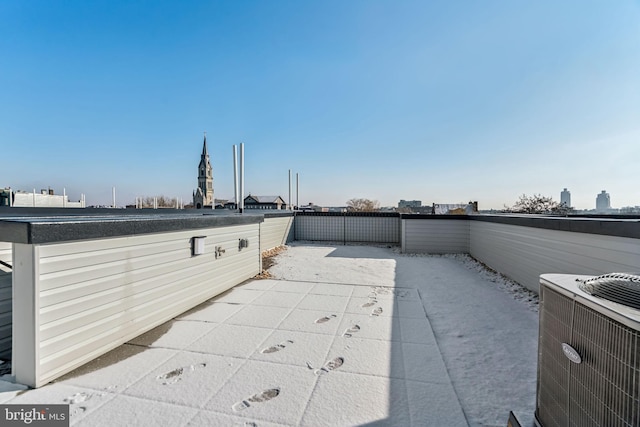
(197, 245)
(244, 243)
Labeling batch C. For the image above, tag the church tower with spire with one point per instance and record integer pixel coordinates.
(203, 196)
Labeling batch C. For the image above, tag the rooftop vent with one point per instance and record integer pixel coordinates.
(622, 288)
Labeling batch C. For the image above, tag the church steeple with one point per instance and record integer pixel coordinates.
(203, 196)
(204, 146)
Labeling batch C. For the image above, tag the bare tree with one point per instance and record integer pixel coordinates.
(362, 205)
(538, 204)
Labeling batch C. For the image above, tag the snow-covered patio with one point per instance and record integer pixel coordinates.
(343, 335)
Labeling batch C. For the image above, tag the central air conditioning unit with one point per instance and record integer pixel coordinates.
(589, 351)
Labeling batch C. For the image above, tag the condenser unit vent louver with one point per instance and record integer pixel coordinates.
(621, 288)
(589, 351)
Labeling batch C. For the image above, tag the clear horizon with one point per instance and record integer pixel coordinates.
(433, 101)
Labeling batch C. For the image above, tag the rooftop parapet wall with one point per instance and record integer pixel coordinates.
(523, 253)
(444, 235)
(51, 229)
(84, 285)
(350, 227)
(275, 231)
(612, 226)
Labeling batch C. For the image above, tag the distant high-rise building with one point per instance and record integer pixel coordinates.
(603, 201)
(409, 203)
(203, 196)
(565, 197)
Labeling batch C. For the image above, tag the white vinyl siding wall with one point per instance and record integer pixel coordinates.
(435, 236)
(275, 232)
(92, 296)
(523, 253)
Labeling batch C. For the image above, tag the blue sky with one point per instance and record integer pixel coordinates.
(440, 101)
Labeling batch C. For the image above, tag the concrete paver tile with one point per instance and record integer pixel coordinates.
(371, 327)
(266, 391)
(259, 316)
(279, 299)
(295, 348)
(370, 357)
(231, 340)
(334, 303)
(332, 289)
(317, 322)
(119, 368)
(212, 312)
(240, 296)
(174, 334)
(138, 412)
(346, 399)
(188, 379)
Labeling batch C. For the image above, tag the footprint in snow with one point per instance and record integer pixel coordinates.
(352, 330)
(369, 304)
(256, 398)
(77, 398)
(402, 294)
(382, 290)
(377, 311)
(174, 376)
(325, 319)
(330, 366)
(276, 347)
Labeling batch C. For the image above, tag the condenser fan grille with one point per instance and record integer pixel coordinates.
(622, 288)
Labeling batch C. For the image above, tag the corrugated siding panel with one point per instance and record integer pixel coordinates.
(372, 229)
(523, 253)
(96, 295)
(436, 236)
(5, 301)
(322, 228)
(275, 232)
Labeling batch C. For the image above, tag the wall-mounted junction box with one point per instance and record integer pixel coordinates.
(197, 245)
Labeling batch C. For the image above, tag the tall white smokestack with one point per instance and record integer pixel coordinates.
(241, 205)
(289, 201)
(235, 175)
(297, 190)
(114, 197)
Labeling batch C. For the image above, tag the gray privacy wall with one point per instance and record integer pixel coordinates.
(338, 227)
(435, 235)
(524, 253)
